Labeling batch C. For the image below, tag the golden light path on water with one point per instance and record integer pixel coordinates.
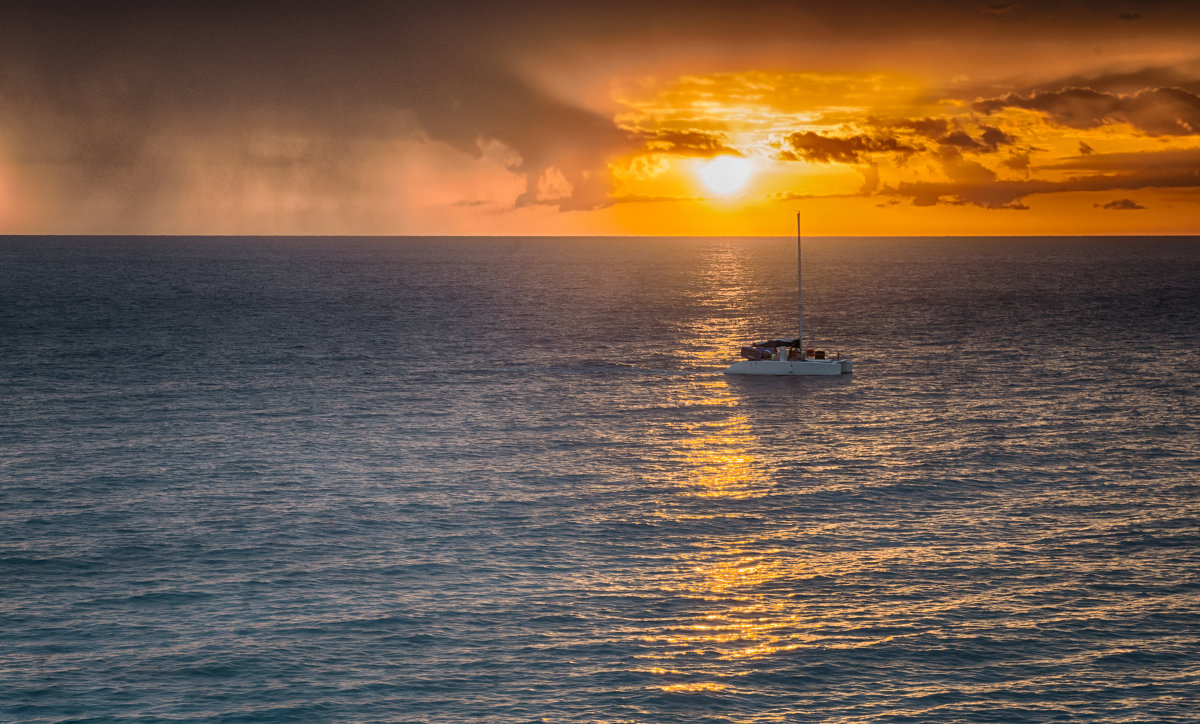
(740, 621)
(750, 580)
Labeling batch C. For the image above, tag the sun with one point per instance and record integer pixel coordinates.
(726, 174)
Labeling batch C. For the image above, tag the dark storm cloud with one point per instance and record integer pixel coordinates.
(1157, 111)
(102, 99)
(810, 146)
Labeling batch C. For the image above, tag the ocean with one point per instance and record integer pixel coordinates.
(504, 480)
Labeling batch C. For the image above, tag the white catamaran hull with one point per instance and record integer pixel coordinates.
(797, 367)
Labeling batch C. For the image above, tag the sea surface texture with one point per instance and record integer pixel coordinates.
(504, 480)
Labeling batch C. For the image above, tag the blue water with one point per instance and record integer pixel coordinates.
(502, 480)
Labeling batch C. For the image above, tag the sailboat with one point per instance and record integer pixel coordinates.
(788, 356)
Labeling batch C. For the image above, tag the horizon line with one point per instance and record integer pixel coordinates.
(605, 236)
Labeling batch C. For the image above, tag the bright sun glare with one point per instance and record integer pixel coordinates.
(725, 174)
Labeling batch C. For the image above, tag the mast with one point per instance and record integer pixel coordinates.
(799, 294)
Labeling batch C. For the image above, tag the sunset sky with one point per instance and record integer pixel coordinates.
(676, 118)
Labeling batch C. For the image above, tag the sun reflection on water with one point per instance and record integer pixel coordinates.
(726, 577)
(717, 458)
(733, 576)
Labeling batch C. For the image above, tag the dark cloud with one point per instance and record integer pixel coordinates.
(1127, 82)
(993, 138)
(1018, 161)
(962, 140)
(990, 194)
(1159, 111)
(687, 143)
(1174, 160)
(929, 127)
(1000, 8)
(1160, 178)
(942, 131)
(971, 183)
(962, 170)
(1121, 205)
(1076, 107)
(989, 141)
(810, 146)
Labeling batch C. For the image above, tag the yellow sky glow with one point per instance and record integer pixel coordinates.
(857, 188)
